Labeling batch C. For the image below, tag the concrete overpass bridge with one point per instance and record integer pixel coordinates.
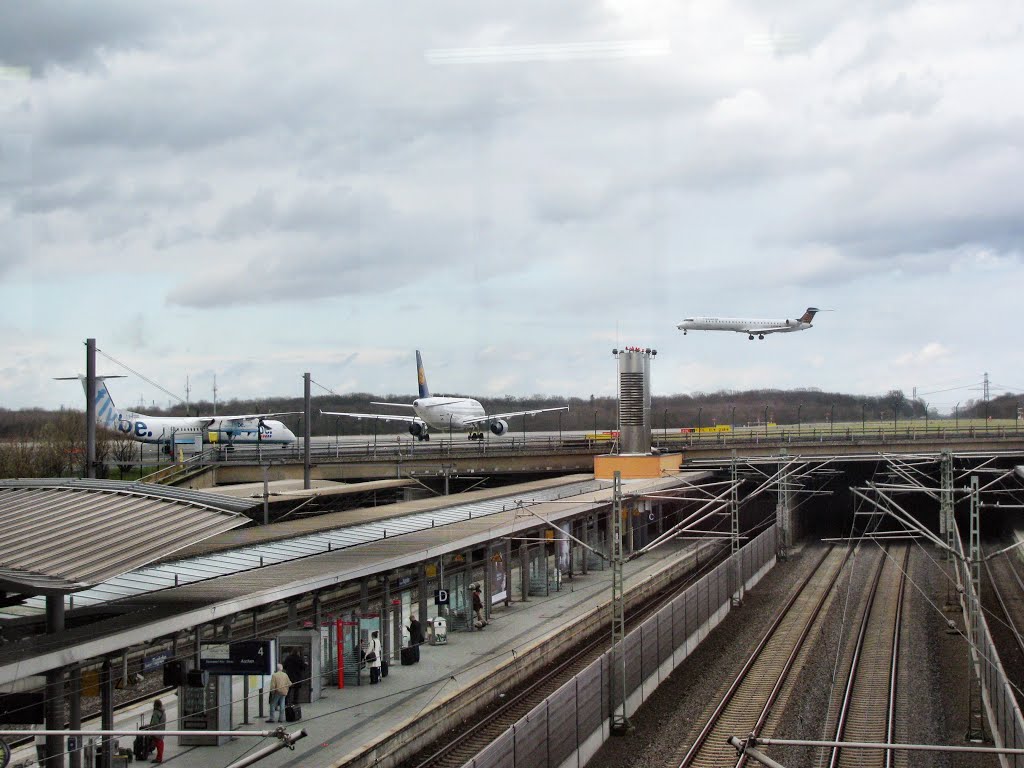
(361, 460)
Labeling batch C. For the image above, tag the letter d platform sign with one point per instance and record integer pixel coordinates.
(440, 597)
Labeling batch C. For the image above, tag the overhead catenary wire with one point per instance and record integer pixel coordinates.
(141, 376)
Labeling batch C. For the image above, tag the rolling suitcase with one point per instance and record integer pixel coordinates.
(409, 656)
(292, 713)
(383, 668)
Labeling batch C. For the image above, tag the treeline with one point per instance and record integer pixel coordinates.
(53, 445)
(749, 407)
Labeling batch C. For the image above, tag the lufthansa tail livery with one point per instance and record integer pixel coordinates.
(458, 414)
(752, 328)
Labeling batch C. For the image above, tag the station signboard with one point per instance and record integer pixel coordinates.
(246, 657)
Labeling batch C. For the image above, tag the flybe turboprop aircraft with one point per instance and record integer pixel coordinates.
(750, 327)
(458, 414)
(247, 429)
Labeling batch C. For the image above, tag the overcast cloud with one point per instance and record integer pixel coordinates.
(255, 190)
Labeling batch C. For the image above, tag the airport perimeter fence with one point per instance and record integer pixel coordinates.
(568, 727)
(1004, 716)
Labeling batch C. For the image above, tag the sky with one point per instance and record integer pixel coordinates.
(252, 190)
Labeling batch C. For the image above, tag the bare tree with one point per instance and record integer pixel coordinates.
(122, 449)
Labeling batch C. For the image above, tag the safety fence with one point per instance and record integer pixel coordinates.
(568, 727)
(1004, 716)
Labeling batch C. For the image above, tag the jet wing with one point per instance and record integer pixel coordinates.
(378, 416)
(776, 329)
(495, 416)
(248, 416)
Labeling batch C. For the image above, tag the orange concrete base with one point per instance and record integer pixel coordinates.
(636, 467)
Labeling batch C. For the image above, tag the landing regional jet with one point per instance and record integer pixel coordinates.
(459, 414)
(752, 328)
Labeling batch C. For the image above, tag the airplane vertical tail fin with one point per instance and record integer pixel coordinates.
(106, 413)
(808, 316)
(421, 376)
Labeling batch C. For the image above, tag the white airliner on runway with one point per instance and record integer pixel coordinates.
(750, 327)
(249, 429)
(458, 414)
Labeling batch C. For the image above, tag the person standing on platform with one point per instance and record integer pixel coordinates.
(295, 666)
(416, 637)
(279, 685)
(373, 657)
(478, 607)
(158, 722)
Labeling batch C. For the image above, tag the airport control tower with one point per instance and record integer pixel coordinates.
(635, 459)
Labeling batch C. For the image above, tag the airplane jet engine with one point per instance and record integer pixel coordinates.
(419, 430)
(499, 427)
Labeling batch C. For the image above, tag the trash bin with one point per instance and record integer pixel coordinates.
(439, 631)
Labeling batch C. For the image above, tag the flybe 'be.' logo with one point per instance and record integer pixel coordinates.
(141, 430)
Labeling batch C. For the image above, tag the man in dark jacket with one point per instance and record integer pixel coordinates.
(478, 607)
(296, 667)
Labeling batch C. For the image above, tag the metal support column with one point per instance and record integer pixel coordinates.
(385, 620)
(54, 686)
(293, 614)
(364, 595)
(467, 570)
(524, 570)
(508, 572)
(782, 510)
(734, 515)
(75, 712)
(946, 504)
(975, 707)
(106, 712)
(620, 723)
(305, 432)
(488, 582)
(421, 590)
(584, 567)
(90, 409)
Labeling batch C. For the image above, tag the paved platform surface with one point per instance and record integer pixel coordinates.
(344, 721)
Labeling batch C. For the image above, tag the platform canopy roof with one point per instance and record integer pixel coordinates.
(65, 535)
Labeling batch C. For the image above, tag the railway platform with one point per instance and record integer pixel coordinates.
(346, 724)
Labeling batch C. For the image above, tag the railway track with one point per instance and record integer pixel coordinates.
(866, 710)
(457, 748)
(748, 701)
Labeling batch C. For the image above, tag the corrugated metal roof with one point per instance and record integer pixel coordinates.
(179, 572)
(166, 611)
(67, 535)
